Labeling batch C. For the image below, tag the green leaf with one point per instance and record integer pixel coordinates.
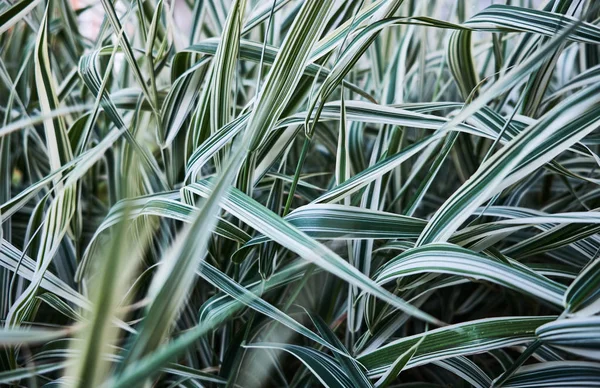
(577, 336)
(273, 226)
(9, 17)
(451, 259)
(323, 367)
(394, 370)
(583, 296)
(556, 373)
(460, 339)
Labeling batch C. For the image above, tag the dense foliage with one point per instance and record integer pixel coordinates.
(299, 193)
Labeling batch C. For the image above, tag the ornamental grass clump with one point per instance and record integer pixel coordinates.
(293, 193)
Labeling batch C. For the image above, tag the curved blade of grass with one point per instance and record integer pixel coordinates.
(459, 339)
(451, 259)
(556, 373)
(578, 336)
(275, 227)
(569, 121)
(15, 13)
(323, 367)
(583, 295)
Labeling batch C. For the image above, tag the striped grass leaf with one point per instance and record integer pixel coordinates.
(396, 368)
(223, 306)
(513, 77)
(354, 371)
(62, 209)
(125, 44)
(375, 171)
(16, 12)
(556, 373)
(59, 305)
(355, 111)
(582, 296)
(553, 238)
(180, 100)
(56, 136)
(231, 288)
(342, 158)
(461, 62)
(215, 313)
(148, 365)
(14, 260)
(512, 18)
(90, 73)
(45, 367)
(273, 226)
(266, 54)
(165, 205)
(176, 275)
(323, 367)
(224, 65)
(70, 172)
(90, 366)
(335, 38)
(550, 236)
(30, 336)
(451, 259)
(330, 221)
(13, 375)
(355, 49)
(577, 336)
(434, 169)
(453, 340)
(467, 370)
(286, 71)
(570, 121)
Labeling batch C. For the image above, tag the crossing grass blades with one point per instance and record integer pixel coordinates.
(292, 193)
